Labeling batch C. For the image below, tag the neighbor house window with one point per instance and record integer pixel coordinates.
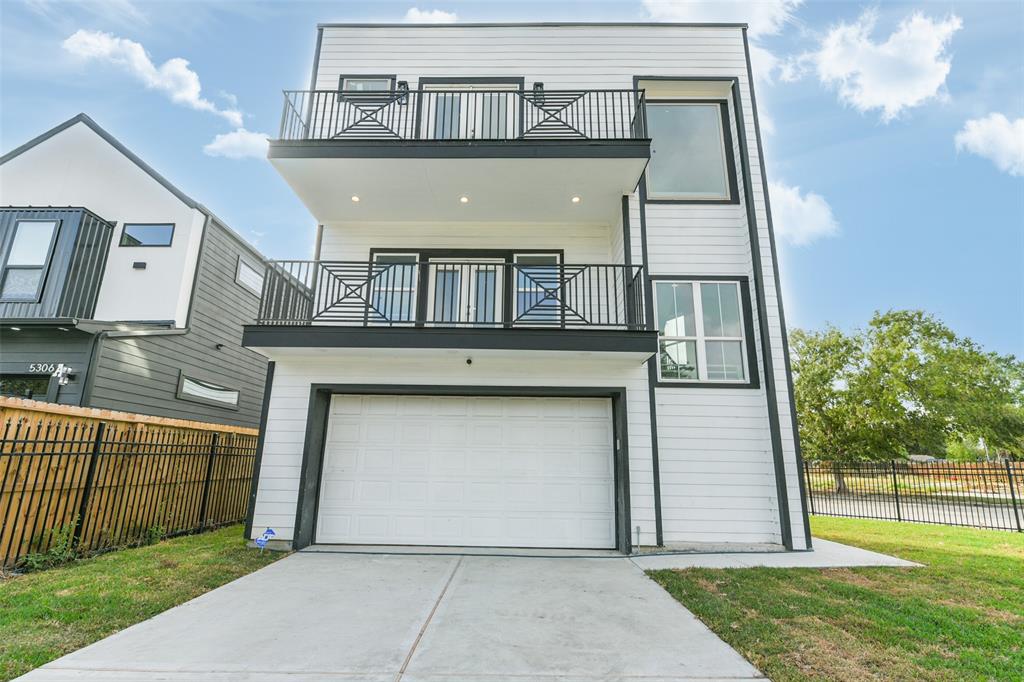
(31, 386)
(250, 276)
(25, 267)
(702, 331)
(689, 156)
(200, 391)
(146, 234)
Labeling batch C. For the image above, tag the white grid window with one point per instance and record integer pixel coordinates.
(701, 331)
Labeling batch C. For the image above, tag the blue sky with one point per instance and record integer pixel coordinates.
(895, 141)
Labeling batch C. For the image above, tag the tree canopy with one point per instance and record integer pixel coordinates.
(906, 384)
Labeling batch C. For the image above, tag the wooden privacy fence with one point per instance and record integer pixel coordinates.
(101, 480)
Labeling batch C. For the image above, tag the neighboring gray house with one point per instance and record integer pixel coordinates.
(119, 291)
(544, 308)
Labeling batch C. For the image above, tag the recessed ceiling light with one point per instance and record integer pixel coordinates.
(15, 329)
(464, 200)
(63, 329)
(355, 199)
(576, 200)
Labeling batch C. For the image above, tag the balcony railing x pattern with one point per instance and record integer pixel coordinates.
(463, 115)
(452, 294)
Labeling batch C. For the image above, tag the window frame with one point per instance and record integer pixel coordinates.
(238, 276)
(181, 395)
(169, 244)
(44, 268)
(752, 379)
(732, 181)
(27, 375)
(389, 77)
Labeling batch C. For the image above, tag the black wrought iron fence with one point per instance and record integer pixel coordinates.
(463, 114)
(94, 485)
(976, 494)
(457, 293)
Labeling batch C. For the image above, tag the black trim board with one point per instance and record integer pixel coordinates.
(316, 57)
(307, 505)
(753, 375)
(652, 370)
(778, 294)
(459, 149)
(468, 338)
(260, 440)
(778, 456)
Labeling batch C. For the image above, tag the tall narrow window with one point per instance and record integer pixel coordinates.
(25, 267)
(689, 156)
(538, 289)
(394, 288)
(702, 331)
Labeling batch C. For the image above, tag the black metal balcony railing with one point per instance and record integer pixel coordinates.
(452, 294)
(463, 115)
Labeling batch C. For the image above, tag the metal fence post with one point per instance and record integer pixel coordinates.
(90, 476)
(209, 478)
(1013, 495)
(896, 491)
(810, 494)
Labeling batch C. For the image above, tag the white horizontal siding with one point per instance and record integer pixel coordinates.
(682, 239)
(583, 244)
(286, 420)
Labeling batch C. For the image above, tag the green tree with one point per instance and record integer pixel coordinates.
(906, 384)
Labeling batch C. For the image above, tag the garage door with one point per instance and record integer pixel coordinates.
(495, 471)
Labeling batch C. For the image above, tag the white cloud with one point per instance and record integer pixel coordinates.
(430, 16)
(997, 139)
(238, 144)
(906, 70)
(800, 219)
(173, 77)
(763, 17)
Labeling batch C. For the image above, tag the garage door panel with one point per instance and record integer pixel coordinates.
(468, 471)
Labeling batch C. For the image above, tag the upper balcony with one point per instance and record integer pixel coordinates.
(462, 153)
(531, 304)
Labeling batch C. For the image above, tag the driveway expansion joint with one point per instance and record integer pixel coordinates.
(426, 623)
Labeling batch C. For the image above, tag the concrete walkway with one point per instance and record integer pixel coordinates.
(413, 617)
(325, 616)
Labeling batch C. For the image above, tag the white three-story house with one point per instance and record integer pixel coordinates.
(543, 310)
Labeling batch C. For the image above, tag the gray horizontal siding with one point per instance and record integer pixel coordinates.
(47, 345)
(141, 373)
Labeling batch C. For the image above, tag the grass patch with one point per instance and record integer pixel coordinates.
(47, 614)
(960, 617)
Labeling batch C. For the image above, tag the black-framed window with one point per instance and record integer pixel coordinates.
(206, 392)
(357, 83)
(31, 386)
(28, 257)
(250, 275)
(691, 151)
(705, 333)
(147, 234)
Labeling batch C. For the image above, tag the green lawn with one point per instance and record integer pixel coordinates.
(959, 618)
(47, 614)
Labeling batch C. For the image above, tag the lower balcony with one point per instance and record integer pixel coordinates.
(527, 305)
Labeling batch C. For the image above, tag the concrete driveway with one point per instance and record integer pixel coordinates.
(324, 616)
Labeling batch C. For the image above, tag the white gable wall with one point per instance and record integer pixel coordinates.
(77, 167)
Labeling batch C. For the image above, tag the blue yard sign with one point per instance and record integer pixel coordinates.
(262, 540)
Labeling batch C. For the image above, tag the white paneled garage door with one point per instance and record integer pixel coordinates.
(481, 471)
